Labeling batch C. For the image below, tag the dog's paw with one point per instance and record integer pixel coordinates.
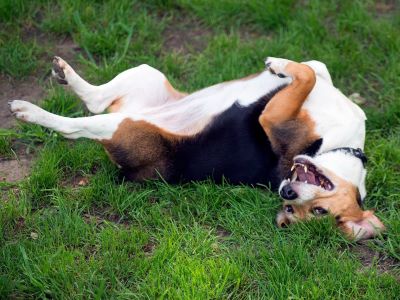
(277, 66)
(25, 111)
(60, 69)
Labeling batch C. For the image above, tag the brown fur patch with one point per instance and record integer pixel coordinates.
(141, 149)
(290, 138)
(174, 94)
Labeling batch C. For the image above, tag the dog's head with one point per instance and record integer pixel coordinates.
(329, 183)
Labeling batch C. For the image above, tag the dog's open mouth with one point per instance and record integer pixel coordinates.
(305, 171)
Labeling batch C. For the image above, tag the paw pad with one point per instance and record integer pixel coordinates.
(58, 71)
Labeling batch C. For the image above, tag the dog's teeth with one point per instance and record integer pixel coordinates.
(305, 182)
(305, 169)
(294, 176)
(292, 168)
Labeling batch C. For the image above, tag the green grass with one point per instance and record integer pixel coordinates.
(6, 146)
(105, 239)
(17, 58)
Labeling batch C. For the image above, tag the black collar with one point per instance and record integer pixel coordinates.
(355, 152)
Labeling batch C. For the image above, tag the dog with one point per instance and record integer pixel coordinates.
(287, 127)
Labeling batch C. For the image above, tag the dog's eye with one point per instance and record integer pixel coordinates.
(289, 209)
(319, 211)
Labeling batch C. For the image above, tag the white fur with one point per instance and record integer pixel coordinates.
(346, 166)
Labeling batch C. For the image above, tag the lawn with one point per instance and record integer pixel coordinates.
(71, 230)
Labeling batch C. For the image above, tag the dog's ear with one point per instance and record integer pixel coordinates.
(366, 227)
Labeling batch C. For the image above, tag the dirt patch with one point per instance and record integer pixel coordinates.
(101, 215)
(222, 233)
(153, 200)
(27, 89)
(76, 181)
(186, 35)
(13, 170)
(62, 46)
(19, 224)
(149, 247)
(370, 257)
(384, 7)
(31, 88)
(68, 50)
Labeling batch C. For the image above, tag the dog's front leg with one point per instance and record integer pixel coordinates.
(98, 127)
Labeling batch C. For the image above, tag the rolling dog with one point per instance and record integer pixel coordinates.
(287, 127)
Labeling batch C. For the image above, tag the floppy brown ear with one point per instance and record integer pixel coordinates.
(366, 227)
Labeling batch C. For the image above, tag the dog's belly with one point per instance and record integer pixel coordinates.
(233, 147)
(192, 114)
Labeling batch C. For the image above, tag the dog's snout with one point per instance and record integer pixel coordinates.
(288, 193)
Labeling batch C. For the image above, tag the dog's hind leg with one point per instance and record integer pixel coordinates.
(90, 94)
(97, 127)
(289, 127)
(129, 92)
(286, 104)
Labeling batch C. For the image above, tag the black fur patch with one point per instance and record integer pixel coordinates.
(234, 146)
(359, 200)
(313, 148)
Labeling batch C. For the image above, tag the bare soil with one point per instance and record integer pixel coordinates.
(100, 215)
(32, 89)
(370, 257)
(150, 247)
(186, 35)
(27, 89)
(13, 170)
(386, 6)
(67, 49)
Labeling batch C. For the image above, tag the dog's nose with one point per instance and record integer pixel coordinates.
(288, 193)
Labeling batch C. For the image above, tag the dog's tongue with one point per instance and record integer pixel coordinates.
(303, 176)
